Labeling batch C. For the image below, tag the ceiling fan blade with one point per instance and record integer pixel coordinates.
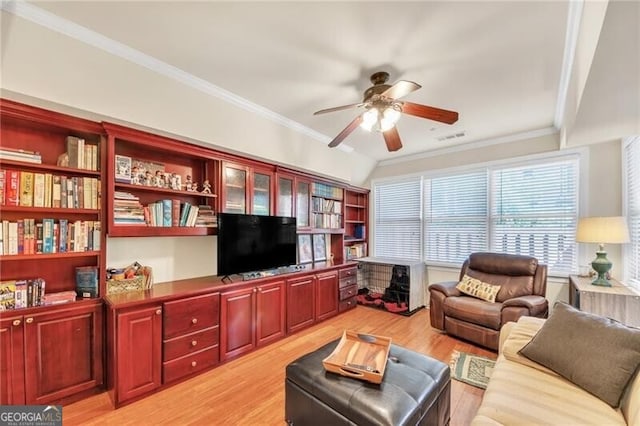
(435, 114)
(400, 88)
(347, 130)
(339, 108)
(392, 139)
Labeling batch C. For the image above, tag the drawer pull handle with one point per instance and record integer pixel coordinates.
(194, 342)
(194, 321)
(16, 322)
(158, 311)
(29, 320)
(193, 363)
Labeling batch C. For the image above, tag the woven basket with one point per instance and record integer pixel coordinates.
(122, 286)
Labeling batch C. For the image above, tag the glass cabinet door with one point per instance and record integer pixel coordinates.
(235, 188)
(261, 194)
(285, 197)
(302, 204)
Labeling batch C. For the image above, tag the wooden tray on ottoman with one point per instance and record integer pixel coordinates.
(361, 356)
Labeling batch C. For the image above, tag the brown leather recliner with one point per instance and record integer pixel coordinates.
(523, 284)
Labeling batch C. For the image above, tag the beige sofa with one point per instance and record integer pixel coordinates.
(522, 392)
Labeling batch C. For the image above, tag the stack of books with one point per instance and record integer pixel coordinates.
(15, 294)
(20, 155)
(127, 209)
(206, 217)
(58, 298)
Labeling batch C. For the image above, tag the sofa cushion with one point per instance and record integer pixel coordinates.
(580, 347)
(476, 288)
(520, 395)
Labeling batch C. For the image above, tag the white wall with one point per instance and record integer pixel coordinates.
(45, 68)
(601, 197)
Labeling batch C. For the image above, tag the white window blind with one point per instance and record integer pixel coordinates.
(632, 207)
(397, 219)
(534, 211)
(455, 210)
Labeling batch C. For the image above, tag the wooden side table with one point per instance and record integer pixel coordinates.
(619, 302)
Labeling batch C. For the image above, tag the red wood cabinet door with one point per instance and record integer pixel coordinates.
(270, 312)
(12, 361)
(326, 295)
(300, 303)
(139, 352)
(235, 188)
(237, 323)
(63, 353)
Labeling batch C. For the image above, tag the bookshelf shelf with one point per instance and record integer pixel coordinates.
(132, 187)
(160, 231)
(51, 210)
(8, 164)
(18, 257)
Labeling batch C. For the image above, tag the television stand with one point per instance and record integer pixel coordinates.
(226, 279)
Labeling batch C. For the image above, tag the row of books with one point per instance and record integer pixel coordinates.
(324, 190)
(326, 220)
(22, 293)
(28, 189)
(355, 251)
(82, 155)
(26, 236)
(322, 205)
(165, 213)
(23, 155)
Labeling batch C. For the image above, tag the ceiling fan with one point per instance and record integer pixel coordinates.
(383, 110)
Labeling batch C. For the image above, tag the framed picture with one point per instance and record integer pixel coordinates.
(123, 169)
(305, 253)
(319, 247)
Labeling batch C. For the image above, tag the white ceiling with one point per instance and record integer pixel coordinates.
(499, 64)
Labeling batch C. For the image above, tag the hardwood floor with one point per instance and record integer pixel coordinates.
(250, 390)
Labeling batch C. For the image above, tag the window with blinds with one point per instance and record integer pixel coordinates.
(534, 212)
(529, 209)
(397, 231)
(631, 165)
(455, 211)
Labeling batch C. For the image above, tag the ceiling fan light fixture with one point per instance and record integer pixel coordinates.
(375, 120)
(369, 119)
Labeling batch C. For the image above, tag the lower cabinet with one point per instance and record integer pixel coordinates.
(251, 317)
(139, 352)
(301, 303)
(326, 295)
(35, 347)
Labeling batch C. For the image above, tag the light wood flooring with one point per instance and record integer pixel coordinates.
(250, 389)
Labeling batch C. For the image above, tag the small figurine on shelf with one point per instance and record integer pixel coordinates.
(63, 160)
(149, 179)
(174, 181)
(160, 179)
(206, 187)
(187, 183)
(135, 175)
(194, 187)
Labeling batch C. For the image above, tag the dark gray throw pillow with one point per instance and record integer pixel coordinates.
(598, 354)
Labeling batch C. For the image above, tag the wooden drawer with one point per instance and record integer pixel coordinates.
(190, 343)
(349, 272)
(348, 292)
(191, 314)
(348, 281)
(347, 304)
(186, 365)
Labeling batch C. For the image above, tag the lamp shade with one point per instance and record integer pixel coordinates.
(610, 230)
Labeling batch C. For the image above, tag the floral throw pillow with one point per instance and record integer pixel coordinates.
(476, 288)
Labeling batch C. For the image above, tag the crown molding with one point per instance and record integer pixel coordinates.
(78, 32)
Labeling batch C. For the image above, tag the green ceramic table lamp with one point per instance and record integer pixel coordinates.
(601, 230)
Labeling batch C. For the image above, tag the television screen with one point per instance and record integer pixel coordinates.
(249, 243)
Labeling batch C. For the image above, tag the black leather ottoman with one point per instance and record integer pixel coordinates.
(415, 390)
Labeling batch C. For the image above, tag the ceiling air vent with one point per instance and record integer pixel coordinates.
(451, 136)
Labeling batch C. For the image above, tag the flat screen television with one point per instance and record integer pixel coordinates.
(249, 243)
